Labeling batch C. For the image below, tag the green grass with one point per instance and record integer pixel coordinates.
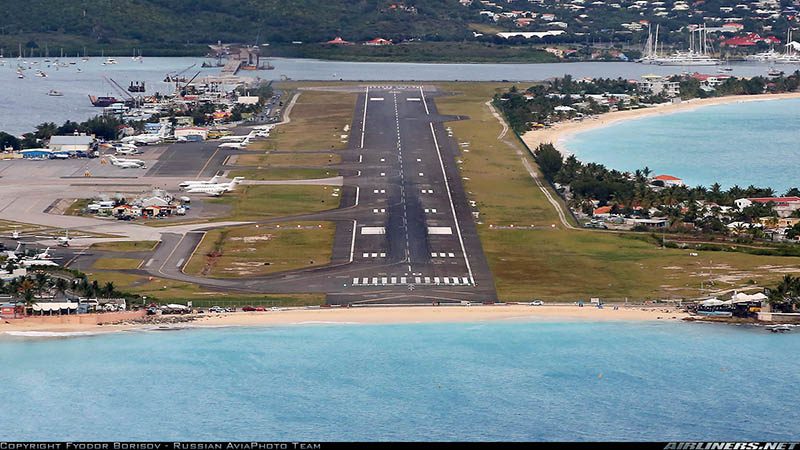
(259, 202)
(283, 174)
(255, 251)
(77, 206)
(318, 120)
(116, 263)
(125, 246)
(295, 159)
(166, 291)
(552, 262)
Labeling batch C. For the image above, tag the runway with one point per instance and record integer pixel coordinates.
(405, 232)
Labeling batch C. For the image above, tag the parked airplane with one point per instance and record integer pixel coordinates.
(188, 183)
(242, 144)
(13, 255)
(233, 138)
(143, 139)
(214, 190)
(41, 259)
(63, 241)
(127, 163)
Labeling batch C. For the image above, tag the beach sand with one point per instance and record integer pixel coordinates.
(381, 315)
(557, 133)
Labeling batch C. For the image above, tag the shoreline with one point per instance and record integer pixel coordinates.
(561, 131)
(395, 315)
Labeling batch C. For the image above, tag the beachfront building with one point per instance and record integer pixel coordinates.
(657, 84)
(783, 206)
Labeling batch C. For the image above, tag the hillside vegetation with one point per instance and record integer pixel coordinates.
(163, 24)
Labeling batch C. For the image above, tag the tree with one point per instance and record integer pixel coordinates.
(108, 289)
(786, 295)
(549, 160)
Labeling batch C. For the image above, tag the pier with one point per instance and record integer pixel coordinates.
(231, 67)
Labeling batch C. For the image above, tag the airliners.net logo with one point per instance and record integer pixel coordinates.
(732, 446)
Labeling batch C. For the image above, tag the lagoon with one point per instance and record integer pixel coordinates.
(747, 143)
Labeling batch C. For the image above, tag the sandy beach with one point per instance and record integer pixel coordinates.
(557, 133)
(375, 315)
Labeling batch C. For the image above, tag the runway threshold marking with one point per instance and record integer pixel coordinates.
(452, 206)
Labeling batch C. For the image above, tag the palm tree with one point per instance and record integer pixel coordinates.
(41, 280)
(109, 289)
(61, 286)
(25, 288)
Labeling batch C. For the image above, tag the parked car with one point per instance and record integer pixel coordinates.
(248, 309)
(216, 309)
(536, 303)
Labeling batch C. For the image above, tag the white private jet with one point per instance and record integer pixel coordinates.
(143, 139)
(63, 241)
(127, 150)
(233, 138)
(127, 163)
(242, 144)
(189, 183)
(13, 255)
(214, 190)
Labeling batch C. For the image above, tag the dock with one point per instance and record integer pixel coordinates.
(231, 67)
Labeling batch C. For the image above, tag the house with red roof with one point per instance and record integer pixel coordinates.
(749, 40)
(378, 41)
(339, 41)
(667, 181)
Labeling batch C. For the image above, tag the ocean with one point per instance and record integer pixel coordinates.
(740, 144)
(24, 103)
(506, 380)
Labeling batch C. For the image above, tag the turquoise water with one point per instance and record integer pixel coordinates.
(754, 143)
(490, 381)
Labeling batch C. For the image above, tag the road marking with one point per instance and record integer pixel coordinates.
(452, 206)
(149, 261)
(353, 240)
(376, 99)
(161, 269)
(425, 102)
(180, 262)
(440, 230)
(364, 120)
(207, 163)
(358, 193)
(373, 230)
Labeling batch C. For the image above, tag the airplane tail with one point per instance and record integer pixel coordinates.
(214, 179)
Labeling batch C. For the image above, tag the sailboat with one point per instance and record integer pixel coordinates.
(697, 55)
(791, 54)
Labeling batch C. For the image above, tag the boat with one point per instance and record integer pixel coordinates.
(136, 86)
(109, 61)
(773, 72)
(697, 55)
(779, 328)
(20, 75)
(715, 313)
(41, 74)
(102, 102)
(55, 93)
